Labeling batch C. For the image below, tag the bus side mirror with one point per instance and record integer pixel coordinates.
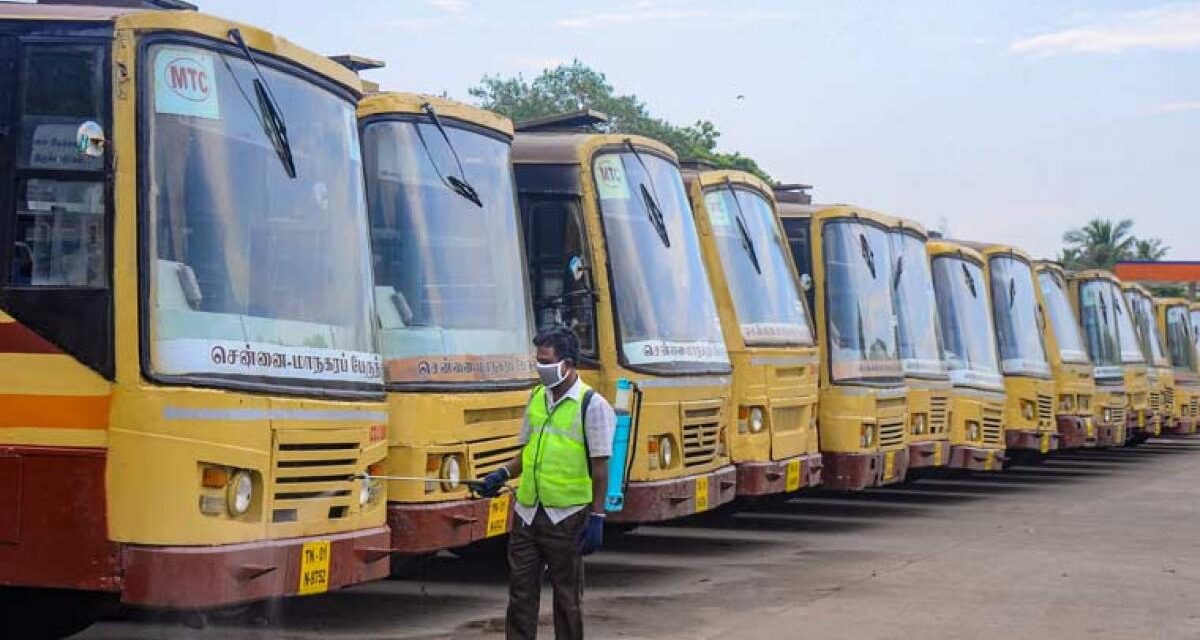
(89, 139)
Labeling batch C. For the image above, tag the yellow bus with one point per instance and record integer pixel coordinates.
(613, 253)
(843, 254)
(1161, 377)
(1029, 425)
(921, 355)
(452, 299)
(773, 439)
(1122, 379)
(191, 395)
(1174, 321)
(1074, 384)
(965, 320)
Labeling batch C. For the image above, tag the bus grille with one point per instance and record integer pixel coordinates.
(488, 455)
(1168, 400)
(891, 432)
(1155, 401)
(993, 418)
(1045, 406)
(787, 419)
(1194, 407)
(701, 433)
(314, 474)
(937, 412)
(1118, 415)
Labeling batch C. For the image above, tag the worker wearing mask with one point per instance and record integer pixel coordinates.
(566, 442)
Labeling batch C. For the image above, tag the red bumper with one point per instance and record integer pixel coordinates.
(778, 476)
(1072, 432)
(1108, 435)
(202, 577)
(976, 458)
(925, 455)
(425, 528)
(659, 500)
(1041, 442)
(856, 471)
(1179, 426)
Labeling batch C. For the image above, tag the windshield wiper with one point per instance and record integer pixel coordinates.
(650, 197)
(868, 255)
(970, 280)
(1012, 292)
(747, 242)
(899, 272)
(268, 109)
(458, 184)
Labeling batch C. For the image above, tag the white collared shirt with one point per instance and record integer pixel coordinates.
(600, 423)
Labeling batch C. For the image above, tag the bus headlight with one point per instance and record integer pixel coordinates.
(756, 420)
(1108, 414)
(450, 473)
(1027, 409)
(666, 452)
(1066, 403)
(364, 492)
(239, 493)
(867, 438)
(973, 432)
(918, 424)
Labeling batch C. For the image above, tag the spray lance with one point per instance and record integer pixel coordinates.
(473, 485)
(614, 497)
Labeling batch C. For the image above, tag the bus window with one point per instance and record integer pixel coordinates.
(559, 269)
(60, 229)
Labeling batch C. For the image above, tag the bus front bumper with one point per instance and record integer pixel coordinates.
(1040, 441)
(925, 455)
(1072, 432)
(856, 471)
(975, 458)
(660, 500)
(419, 528)
(1179, 426)
(1109, 434)
(205, 577)
(778, 476)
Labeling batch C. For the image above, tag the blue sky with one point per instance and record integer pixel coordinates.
(1004, 120)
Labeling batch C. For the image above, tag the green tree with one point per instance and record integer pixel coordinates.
(574, 86)
(1099, 244)
(1151, 250)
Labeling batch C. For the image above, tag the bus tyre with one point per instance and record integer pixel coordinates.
(48, 614)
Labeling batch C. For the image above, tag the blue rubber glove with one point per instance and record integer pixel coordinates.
(492, 483)
(591, 537)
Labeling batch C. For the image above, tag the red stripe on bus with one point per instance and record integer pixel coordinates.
(17, 338)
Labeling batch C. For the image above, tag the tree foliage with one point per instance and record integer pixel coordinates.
(574, 86)
(1101, 243)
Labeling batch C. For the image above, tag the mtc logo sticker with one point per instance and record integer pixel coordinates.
(185, 85)
(610, 178)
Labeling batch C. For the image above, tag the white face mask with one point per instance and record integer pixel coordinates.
(551, 374)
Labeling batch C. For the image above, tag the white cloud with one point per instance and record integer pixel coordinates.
(450, 6)
(1174, 107)
(1171, 27)
(668, 10)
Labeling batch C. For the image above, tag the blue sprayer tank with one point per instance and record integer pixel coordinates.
(614, 499)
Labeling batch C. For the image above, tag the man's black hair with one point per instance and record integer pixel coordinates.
(564, 342)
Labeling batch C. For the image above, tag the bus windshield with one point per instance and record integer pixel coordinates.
(450, 286)
(1194, 314)
(1097, 311)
(1179, 338)
(761, 281)
(1062, 318)
(1142, 308)
(965, 322)
(665, 308)
(253, 276)
(858, 290)
(916, 308)
(1014, 308)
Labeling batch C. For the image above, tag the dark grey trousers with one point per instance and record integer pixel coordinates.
(532, 549)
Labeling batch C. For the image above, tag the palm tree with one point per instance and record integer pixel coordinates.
(1149, 250)
(1101, 243)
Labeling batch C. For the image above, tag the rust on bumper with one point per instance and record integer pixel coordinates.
(856, 471)
(766, 478)
(924, 455)
(1179, 426)
(419, 528)
(976, 458)
(659, 500)
(204, 577)
(1072, 432)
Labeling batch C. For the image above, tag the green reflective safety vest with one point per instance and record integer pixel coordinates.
(554, 463)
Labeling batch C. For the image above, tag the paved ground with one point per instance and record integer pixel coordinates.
(1092, 544)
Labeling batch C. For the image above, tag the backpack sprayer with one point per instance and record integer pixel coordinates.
(473, 485)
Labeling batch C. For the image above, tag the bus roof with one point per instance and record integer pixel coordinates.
(718, 177)
(833, 211)
(1172, 302)
(391, 102)
(1095, 274)
(1050, 265)
(63, 12)
(989, 249)
(1134, 286)
(946, 247)
(904, 224)
(555, 147)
